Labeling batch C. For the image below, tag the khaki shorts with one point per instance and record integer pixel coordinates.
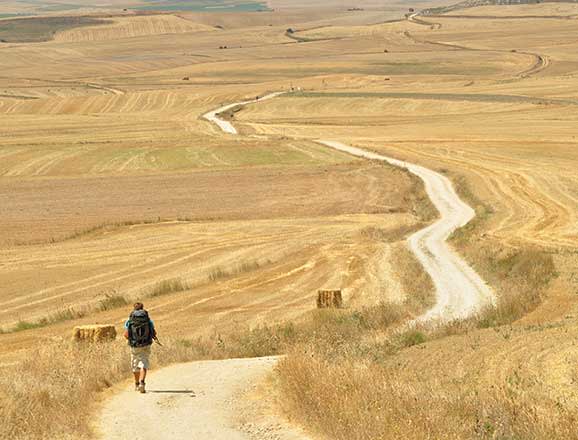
(139, 358)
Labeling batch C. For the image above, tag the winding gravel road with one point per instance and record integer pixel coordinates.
(205, 400)
(226, 126)
(460, 291)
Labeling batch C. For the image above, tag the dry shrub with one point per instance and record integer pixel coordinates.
(219, 273)
(520, 277)
(112, 301)
(166, 287)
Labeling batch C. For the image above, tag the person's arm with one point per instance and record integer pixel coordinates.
(125, 334)
(153, 330)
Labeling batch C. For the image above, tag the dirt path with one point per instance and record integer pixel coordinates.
(195, 400)
(207, 400)
(460, 290)
(226, 126)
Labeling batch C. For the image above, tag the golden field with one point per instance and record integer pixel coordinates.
(112, 184)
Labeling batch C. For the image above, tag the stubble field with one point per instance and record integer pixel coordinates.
(112, 184)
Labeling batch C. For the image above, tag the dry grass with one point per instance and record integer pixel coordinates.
(166, 287)
(416, 283)
(61, 315)
(520, 274)
(220, 273)
(356, 384)
(336, 370)
(347, 384)
(368, 401)
(522, 277)
(353, 385)
(347, 375)
(44, 403)
(112, 301)
(230, 113)
(129, 27)
(91, 230)
(358, 401)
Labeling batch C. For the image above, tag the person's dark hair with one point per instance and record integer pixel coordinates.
(138, 306)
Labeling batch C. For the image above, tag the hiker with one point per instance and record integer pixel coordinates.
(140, 332)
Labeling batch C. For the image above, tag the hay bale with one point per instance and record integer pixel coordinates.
(94, 333)
(329, 299)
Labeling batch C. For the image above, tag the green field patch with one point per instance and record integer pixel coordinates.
(201, 5)
(117, 160)
(38, 29)
(57, 7)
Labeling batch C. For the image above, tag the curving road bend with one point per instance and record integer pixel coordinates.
(226, 126)
(204, 400)
(460, 291)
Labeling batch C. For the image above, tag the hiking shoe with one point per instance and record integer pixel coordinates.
(141, 388)
(136, 386)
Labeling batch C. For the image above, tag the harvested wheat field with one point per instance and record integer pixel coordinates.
(224, 166)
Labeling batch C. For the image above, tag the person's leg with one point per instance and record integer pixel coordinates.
(144, 353)
(142, 377)
(134, 366)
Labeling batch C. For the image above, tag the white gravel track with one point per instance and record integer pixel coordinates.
(200, 400)
(460, 291)
(226, 126)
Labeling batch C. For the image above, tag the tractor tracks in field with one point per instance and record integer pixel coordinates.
(541, 62)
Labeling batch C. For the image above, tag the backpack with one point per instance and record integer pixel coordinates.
(140, 332)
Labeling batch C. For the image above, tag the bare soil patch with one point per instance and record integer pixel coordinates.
(52, 209)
